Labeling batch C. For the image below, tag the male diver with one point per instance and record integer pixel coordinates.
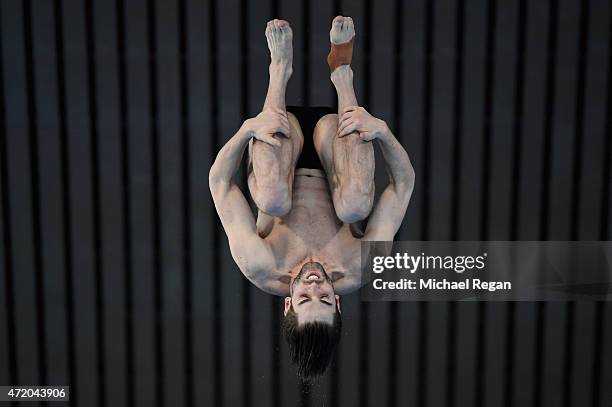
(305, 243)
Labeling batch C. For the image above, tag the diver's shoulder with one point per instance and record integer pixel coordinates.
(270, 284)
(347, 284)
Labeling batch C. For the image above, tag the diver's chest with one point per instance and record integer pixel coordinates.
(292, 250)
(304, 231)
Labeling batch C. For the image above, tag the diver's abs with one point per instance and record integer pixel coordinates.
(311, 227)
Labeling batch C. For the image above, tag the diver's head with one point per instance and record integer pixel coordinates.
(312, 322)
(312, 295)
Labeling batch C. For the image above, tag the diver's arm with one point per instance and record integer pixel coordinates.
(389, 211)
(252, 253)
(229, 157)
(397, 162)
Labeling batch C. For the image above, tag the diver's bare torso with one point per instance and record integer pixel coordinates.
(311, 232)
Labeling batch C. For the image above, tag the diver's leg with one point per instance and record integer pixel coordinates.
(271, 168)
(348, 161)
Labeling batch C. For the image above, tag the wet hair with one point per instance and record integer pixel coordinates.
(311, 345)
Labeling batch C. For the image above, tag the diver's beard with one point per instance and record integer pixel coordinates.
(304, 270)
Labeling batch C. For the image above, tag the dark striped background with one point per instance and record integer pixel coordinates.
(116, 278)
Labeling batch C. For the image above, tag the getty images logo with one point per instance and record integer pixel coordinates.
(410, 263)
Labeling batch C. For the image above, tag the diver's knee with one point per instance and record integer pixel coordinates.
(330, 119)
(274, 200)
(326, 126)
(354, 203)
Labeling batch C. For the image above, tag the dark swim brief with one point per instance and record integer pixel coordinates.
(308, 118)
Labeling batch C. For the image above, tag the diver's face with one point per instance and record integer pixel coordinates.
(313, 296)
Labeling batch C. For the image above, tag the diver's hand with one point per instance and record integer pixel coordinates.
(266, 124)
(357, 119)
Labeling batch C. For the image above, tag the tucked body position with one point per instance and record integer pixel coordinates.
(305, 243)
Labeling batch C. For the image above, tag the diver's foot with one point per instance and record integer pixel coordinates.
(341, 37)
(280, 44)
